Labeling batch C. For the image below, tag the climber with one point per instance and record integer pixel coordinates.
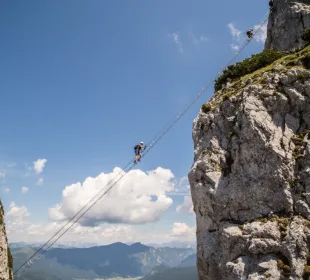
(271, 4)
(250, 33)
(138, 148)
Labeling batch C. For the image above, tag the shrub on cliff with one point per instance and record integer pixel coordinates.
(306, 35)
(247, 66)
(306, 61)
(206, 108)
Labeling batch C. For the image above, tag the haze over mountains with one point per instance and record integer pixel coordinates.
(109, 261)
(79, 244)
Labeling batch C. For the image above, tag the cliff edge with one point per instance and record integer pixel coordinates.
(250, 181)
(6, 260)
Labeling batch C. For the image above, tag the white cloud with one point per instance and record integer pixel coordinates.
(176, 38)
(140, 197)
(20, 229)
(100, 235)
(2, 174)
(104, 234)
(187, 206)
(182, 230)
(260, 33)
(137, 199)
(17, 212)
(16, 220)
(39, 165)
(40, 181)
(234, 47)
(182, 184)
(6, 190)
(25, 189)
(235, 32)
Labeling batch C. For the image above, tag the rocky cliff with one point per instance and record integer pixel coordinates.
(250, 181)
(286, 23)
(6, 261)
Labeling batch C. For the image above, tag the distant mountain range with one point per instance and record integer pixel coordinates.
(115, 260)
(66, 245)
(190, 261)
(175, 244)
(185, 271)
(79, 244)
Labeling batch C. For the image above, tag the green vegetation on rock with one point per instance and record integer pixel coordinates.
(284, 268)
(206, 108)
(247, 66)
(306, 35)
(300, 59)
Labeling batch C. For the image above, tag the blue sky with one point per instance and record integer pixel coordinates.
(83, 81)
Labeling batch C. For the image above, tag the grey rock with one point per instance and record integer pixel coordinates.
(249, 81)
(248, 187)
(286, 22)
(5, 271)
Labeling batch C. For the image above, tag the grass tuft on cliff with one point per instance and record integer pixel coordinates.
(299, 59)
(247, 66)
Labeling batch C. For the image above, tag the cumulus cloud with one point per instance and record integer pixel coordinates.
(16, 220)
(78, 233)
(182, 230)
(140, 197)
(100, 235)
(176, 39)
(6, 190)
(39, 165)
(187, 206)
(40, 181)
(25, 189)
(20, 229)
(17, 212)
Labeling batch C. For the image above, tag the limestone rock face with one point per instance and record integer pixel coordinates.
(286, 23)
(250, 181)
(5, 255)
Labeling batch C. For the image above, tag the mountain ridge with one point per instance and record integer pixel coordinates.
(113, 260)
